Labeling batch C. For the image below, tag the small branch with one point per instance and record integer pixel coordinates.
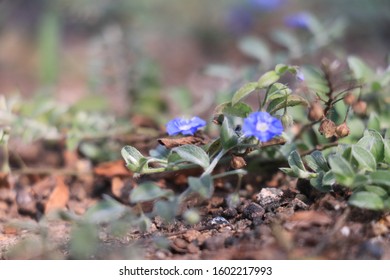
(320, 148)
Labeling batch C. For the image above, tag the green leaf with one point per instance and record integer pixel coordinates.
(84, 241)
(131, 155)
(386, 143)
(342, 170)
(294, 159)
(359, 69)
(239, 109)
(268, 79)
(288, 40)
(193, 154)
(166, 209)
(296, 164)
(367, 200)
(378, 190)
(365, 159)
(373, 142)
(316, 161)
(228, 135)
(243, 92)
(147, 191)
(374, 122)
(203, 185)
(360, 181)
(289, 171)
(280, 69)
(105, 211)
(280, 103)
(328, 179)
(256, 48)
(380, 178)
(317, 183)
(315, 79)
(278, 90)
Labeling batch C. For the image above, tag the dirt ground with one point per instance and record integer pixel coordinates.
(277, 217)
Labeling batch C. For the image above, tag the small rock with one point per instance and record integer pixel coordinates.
(229, 213)
(345, 231)
(269, 197)
(219, 221)
(180, 243)
(298, 204)
(253, 211)
(191, 235)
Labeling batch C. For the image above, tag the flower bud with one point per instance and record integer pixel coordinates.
(360, 108)
(327, 128)
(349, 98)
(342, 130)
(316, 112)
(237, 162)
(287, 120)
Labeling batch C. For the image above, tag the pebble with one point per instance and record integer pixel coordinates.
(253, 211)
(229, 213)
(345, 231)
(219, 220)
(269, 196)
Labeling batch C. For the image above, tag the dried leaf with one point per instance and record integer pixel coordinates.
(4, 180)
(187, 140)
(112, 169)
(310, 218)
(59, 197)
(117, 185)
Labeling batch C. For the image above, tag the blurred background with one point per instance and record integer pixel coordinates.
(133, 53)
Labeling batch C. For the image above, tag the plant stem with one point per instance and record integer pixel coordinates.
(215, 161)
(5, 168)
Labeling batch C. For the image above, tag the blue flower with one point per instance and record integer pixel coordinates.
(266, 5)
(239, 20)
(184, 126)
(299, 20)
(300, 76)
(262, 125)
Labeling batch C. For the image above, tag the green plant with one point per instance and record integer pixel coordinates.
(362, 167)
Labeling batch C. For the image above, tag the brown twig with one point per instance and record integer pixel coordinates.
(320, 148)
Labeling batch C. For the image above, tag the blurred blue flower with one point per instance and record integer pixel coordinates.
(184, 126)
(300, 76)
(266, 5)
(262, 125)
(239, 20)
(299, 20)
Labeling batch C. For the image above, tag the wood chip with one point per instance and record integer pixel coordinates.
(111, 169)
(59, 197)
(308, 219)
(187, 140)
(117, 185)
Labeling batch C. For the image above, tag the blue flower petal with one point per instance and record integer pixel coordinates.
(184, 126)
(262, 126)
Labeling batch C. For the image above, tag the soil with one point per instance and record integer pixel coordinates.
(277, 217)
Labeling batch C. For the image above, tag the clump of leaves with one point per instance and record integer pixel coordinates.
(242, 131)
(362, 167)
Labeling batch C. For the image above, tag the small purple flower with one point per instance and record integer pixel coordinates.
(299, 20)
(239, 20)
(300, 76)
(184, 126)
(266, 5)
(262, 125)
